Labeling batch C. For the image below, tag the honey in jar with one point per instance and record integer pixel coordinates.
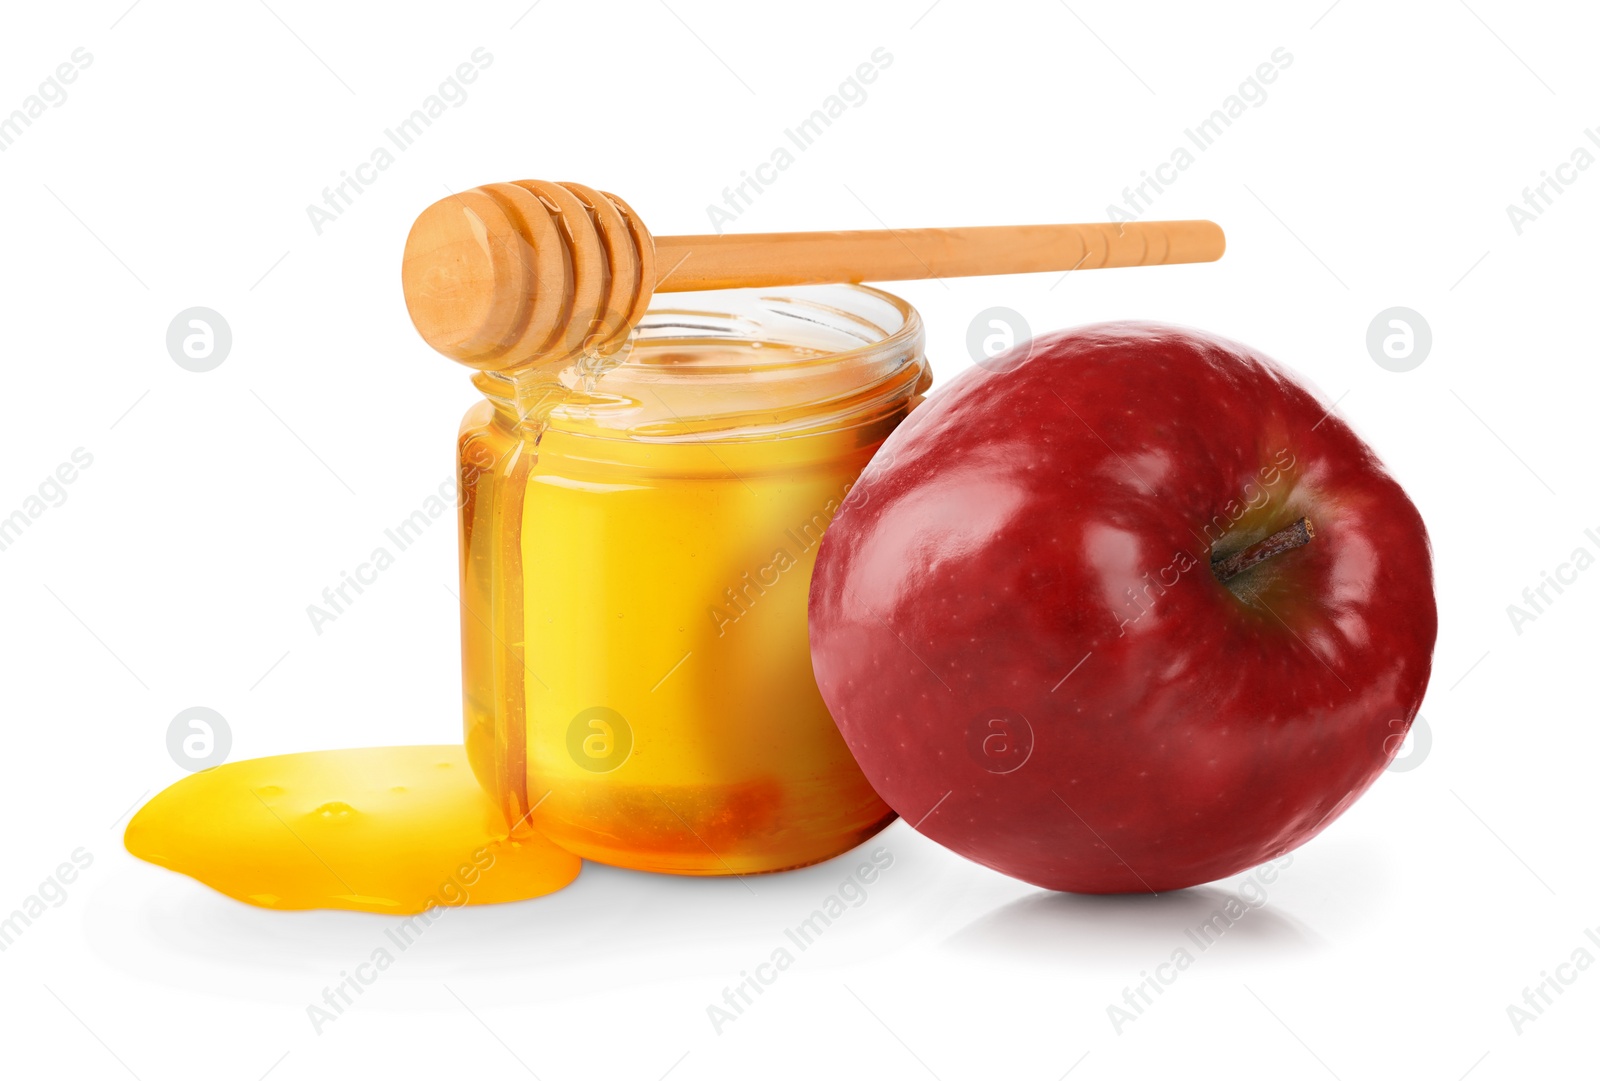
(635, 568)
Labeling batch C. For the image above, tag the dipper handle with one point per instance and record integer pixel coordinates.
(508, 275)
(768, 259)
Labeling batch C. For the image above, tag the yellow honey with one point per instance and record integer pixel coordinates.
(635, 576)
(398, 830)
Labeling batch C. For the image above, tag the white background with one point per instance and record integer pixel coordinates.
(178, 570)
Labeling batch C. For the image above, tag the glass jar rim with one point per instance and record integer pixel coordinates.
(753, 364)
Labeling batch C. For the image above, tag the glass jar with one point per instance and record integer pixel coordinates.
(635, 566)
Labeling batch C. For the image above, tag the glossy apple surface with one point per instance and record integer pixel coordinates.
(1015, 621)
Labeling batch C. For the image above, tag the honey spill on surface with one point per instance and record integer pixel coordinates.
(396, 830)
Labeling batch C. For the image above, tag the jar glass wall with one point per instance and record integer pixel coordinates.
(635, 571)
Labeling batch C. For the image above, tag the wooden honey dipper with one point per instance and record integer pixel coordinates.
(506, 274)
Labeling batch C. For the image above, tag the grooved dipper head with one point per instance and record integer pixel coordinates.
(509, 275)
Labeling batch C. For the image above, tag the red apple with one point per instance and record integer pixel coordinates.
(1020, 622)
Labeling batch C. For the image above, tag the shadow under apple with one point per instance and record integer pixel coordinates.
(1127, 930)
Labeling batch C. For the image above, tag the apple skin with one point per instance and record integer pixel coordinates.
(1015, 625)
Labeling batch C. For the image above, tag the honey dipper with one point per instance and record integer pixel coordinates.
(508, 274)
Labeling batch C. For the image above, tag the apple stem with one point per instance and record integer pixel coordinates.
(1290, 536)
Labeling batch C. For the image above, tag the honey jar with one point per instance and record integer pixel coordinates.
(636, 554)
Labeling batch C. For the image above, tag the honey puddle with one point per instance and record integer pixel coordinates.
(396, 830)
